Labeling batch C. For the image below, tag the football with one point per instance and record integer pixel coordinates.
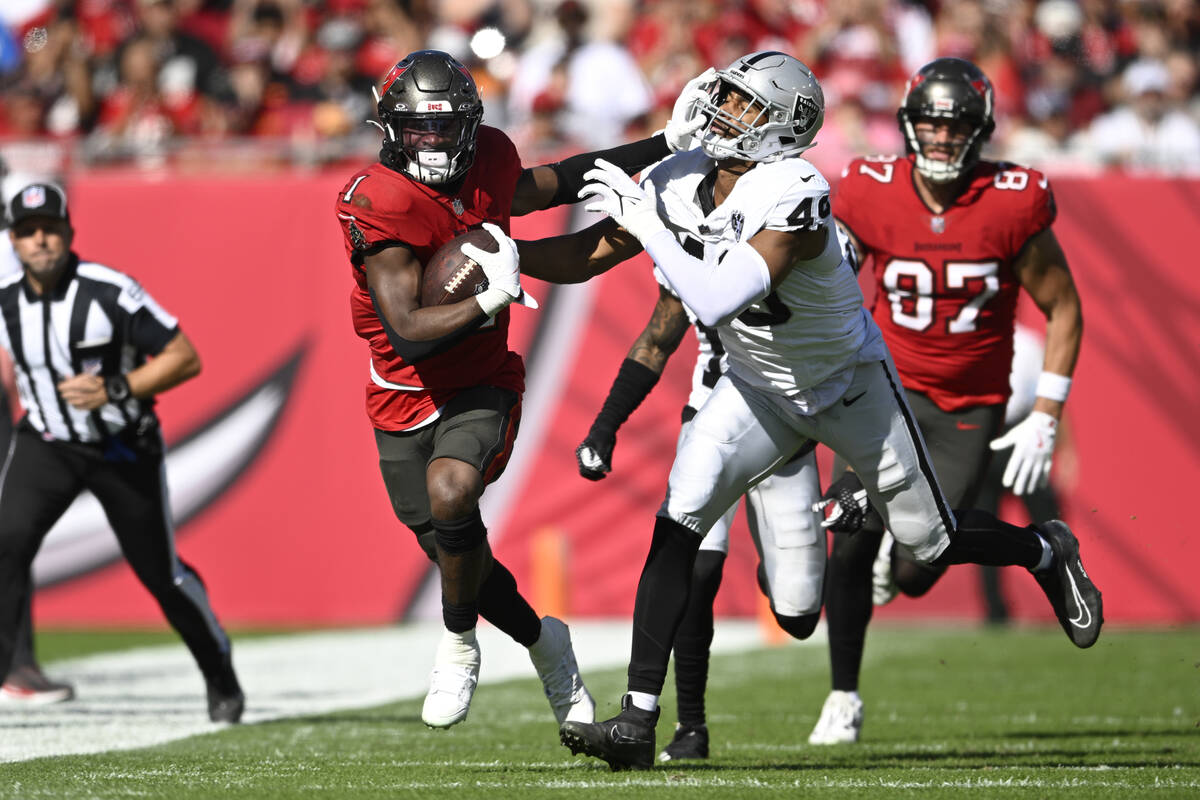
(450, 276)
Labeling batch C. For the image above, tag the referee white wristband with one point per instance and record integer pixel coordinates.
(1053, 387)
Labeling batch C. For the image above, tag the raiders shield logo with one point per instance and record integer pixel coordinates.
(937, 224)
(738, 220)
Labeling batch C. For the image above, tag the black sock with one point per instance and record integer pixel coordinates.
(501, 604)
(459, 618)
(848, 606)
(982, 539)
(693, 640)
(662, 597)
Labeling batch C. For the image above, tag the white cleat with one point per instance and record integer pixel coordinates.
(883, 583)
(453, 680)
(841, 719)
(554, 659)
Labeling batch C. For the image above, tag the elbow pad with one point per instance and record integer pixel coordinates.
(715, 293)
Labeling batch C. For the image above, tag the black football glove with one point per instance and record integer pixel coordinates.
(594, 455)
(847, 500)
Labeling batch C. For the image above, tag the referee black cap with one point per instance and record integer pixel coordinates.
(38, 200)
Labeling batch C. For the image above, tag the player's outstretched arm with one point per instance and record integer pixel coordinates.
(576, 257)
(394, 282)
(635, 379)
(1042, 270)
(559, 183)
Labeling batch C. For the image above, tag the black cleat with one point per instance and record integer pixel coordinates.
(626, 741)
(690, 742)
(225, 699)
(1075, 599)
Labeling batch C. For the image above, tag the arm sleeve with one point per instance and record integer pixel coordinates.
(716, 292)
(632, 158)
(411, 351)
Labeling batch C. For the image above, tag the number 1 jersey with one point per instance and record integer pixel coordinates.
(946, 292)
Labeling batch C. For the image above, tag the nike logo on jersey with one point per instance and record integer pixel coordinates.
(966, 426)
(849, 401)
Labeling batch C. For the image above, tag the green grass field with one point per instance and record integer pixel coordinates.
(949, 712)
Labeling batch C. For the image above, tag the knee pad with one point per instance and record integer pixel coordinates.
(462, 535)
(800, 627)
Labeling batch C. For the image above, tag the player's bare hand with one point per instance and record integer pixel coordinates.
(85, 392)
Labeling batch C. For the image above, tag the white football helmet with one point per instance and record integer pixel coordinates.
(787, 110)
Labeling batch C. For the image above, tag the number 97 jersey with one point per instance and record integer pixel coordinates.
(946, 293)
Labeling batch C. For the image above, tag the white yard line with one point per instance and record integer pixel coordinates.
(147, 696)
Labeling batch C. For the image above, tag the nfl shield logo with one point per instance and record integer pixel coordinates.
(458, 207)
(738, 221)
(937, 224)
(33, 197)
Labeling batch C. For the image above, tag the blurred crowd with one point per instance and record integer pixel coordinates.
(1082, 85)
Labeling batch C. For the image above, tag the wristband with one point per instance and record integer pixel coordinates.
(1053, 387)
(117, 388)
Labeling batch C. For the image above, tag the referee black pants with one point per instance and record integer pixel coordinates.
(41, 479)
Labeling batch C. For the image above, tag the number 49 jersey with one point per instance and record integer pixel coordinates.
(803, 338)
(946, 293)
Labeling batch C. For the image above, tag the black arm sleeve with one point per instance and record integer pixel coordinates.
(634, 381)
(632, 158)
(412, 352)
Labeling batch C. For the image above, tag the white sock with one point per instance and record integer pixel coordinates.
(1047, 555)
(646, 702)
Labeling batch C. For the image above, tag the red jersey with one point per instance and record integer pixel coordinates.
(379, 207)
(946, 293)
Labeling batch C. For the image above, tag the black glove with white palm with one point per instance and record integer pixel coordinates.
(610, 191)
(502, 271)
(685, 120)
(594, 454)
(848, 505)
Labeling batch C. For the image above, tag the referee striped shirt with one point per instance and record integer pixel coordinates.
(95, 321)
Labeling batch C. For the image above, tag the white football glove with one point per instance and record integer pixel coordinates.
(1032, 441)
(613, 192)
(680, 130)
(501, 270)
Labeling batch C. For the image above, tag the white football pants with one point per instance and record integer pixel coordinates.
(742, 434)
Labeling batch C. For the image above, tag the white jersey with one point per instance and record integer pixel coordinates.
(803, 339)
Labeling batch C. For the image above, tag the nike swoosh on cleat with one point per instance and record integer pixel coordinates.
(1084, 613)
(966, 426)
(852, 400)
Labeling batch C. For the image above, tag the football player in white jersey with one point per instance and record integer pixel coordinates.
(784, 526)
(742, 230)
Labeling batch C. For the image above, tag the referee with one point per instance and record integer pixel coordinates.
(79, 334)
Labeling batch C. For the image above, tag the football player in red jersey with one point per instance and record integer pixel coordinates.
(953, 238)
(444, 394)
